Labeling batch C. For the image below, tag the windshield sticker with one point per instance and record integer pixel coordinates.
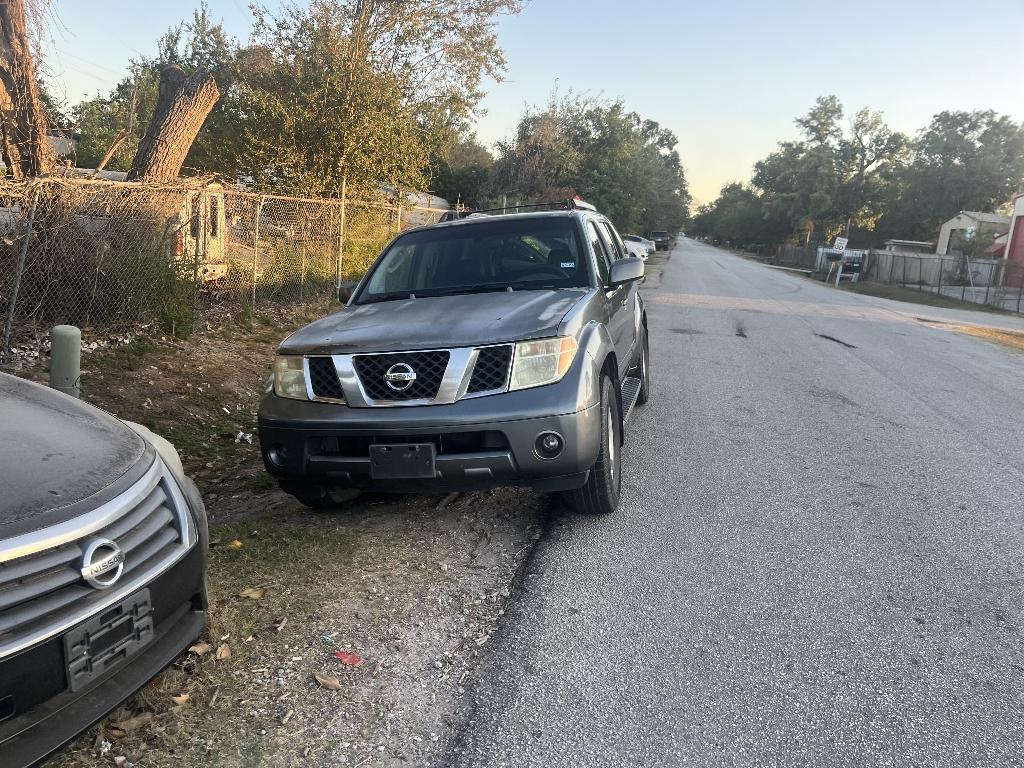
(568, 265)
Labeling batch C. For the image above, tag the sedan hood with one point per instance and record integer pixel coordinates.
(56, 453)
(464, 320)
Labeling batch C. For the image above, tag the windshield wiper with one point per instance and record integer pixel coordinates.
(390, 296)
(531, 286)
(480, 288)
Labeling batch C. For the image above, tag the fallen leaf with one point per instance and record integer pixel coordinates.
(180, 699)
(129, 725)
(349, 659)
(287, 717)
(326, 681)
(252, 593)
(223, 652)
(200, 649)
(235, 544)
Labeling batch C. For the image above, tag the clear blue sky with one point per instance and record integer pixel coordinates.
(727, 77)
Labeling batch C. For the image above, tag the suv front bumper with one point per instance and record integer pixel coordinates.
(482, 442)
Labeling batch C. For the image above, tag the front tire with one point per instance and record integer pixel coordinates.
(644, 371)
(600, 495)
(320, 497)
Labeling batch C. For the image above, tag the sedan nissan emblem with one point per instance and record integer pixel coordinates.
(400, 377)
(102, 563)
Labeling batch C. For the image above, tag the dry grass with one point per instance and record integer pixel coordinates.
(912, 296)
(411, 585)
(1010, 339)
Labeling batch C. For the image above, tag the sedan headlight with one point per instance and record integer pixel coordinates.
(289, 377)
(542, 362)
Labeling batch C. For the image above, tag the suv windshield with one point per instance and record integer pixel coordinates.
(521, 254)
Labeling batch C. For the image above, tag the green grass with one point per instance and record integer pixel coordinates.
(913, 296)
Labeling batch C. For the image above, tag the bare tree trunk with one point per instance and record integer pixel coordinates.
(181, 108)
(23, 144)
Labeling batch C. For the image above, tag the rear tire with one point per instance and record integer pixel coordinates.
(600, 495)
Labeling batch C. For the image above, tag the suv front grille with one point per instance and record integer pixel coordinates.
(491, 370)
(43, 593)
(323, 377)
(429, 368)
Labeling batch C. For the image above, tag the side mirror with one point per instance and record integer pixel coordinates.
(345, 291)
(625, 271)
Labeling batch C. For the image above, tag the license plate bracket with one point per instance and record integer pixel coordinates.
(403, 461)
(108, 639)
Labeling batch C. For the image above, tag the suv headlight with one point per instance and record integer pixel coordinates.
(541, 362)
(290, 377)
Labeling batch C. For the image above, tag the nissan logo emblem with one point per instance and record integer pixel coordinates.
(400, 377)
(102, 563)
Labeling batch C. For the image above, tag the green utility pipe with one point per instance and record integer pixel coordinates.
(66, 359)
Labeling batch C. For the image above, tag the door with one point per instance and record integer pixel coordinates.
(618, 321)
(630, 306)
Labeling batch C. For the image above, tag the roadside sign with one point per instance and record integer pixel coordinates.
(841, 243)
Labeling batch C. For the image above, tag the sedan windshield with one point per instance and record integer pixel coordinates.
(499, 255)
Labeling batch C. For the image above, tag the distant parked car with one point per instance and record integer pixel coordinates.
(662, 239)
(648, 244)
(635, 249)
(102, 556)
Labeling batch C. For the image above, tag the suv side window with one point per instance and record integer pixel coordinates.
(623, 253)
(609, 242)
(604, 259)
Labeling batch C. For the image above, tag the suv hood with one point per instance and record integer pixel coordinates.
(57, 454)
(464, 320)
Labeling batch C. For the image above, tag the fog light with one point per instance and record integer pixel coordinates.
(549, 445)
(278, 455)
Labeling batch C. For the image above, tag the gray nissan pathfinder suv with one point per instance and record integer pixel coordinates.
(102, 552)
(489, 350)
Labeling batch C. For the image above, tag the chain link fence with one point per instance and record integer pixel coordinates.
(991, 282)
(119, 255)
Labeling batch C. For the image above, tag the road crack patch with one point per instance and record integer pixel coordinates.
(837, 341)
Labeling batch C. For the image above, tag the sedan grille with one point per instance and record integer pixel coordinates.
(429, 368)
(43, 592)
(491, 370)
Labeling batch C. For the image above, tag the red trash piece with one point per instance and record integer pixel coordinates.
(349, 659)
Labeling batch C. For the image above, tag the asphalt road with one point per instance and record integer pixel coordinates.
(818, 556)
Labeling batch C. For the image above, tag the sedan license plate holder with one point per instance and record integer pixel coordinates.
(403, 461)
(108, 639)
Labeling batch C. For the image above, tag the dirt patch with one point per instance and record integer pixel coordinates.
(1012, 339)
(408, 589)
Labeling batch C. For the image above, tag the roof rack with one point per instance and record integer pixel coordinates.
(573, 204)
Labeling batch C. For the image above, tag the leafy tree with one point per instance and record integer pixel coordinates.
(962, 161)
(834, 179)
(740, 217)
(197, 44)
(462, 174)
(366, 90)
(627, 166)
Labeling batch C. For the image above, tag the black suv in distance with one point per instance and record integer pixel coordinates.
(485, 351)
(102, 558)
(663, 241)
